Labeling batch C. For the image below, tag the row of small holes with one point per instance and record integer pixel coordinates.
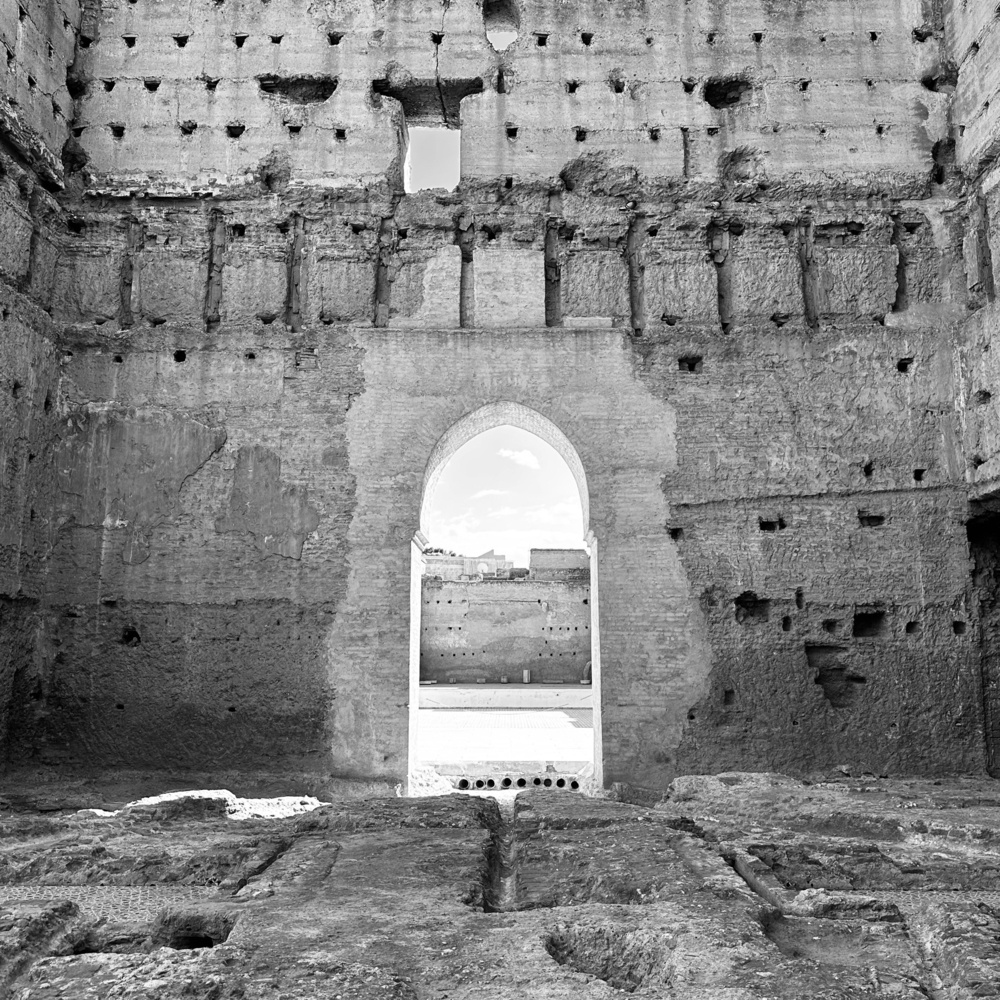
(520, 783)
(239, 40)
(832, 627)
(616, 84)
(234, 130)
(484, 651)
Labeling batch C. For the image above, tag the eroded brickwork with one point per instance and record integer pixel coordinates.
(494, 630)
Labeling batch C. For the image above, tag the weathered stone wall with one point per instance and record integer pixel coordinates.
(37, 45)
(756, 295)
(486, 630)
(29, 417)
(228, 93)
(974, 73)
(973, 34)
(27, 426)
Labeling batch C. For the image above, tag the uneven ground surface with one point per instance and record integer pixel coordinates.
(737, 886)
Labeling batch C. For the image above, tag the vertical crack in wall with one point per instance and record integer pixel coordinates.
(466, 239)
(293, 288)
(388, 242)
(437, 70)
(686, 145)
(553, 267)
(983, 533)
(809, 272)
(986, 281)
(134, 240)
(902, 300)
(216, 260)
(720, 246)
(636, 273)
(34, 209)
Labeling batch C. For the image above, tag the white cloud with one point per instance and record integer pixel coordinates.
(505, 512)
(525, 458)
(489, 493)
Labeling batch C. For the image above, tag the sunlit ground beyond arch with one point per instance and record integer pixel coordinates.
(506, 490)
(493, 486)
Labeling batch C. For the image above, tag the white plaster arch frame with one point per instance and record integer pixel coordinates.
(462, 431)
(497, 415)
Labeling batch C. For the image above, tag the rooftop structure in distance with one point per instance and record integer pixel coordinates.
(448, 566)
(736, 260)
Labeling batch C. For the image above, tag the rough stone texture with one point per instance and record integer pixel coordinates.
(38, 39)
(496, 628)
(743, 255)
(551, 895)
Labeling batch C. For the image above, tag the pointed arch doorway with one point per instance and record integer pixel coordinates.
(489, 731)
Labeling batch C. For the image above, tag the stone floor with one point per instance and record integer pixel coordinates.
(132, 902)
(733, 887)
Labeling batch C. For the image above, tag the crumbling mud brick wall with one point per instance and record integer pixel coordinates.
(740, 253)
(973, 72)
(490, 629)
(37, 46)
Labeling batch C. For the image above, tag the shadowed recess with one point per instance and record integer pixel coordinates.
(299, 89)
(430, 102)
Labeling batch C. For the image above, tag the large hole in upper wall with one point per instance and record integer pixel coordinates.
(299, 89)
(727, 92)
(432, 112)
(502, 20)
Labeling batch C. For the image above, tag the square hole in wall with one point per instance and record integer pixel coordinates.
(750, 608)
(868, 624)
(433, 159)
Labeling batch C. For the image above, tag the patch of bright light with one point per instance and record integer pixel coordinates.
(433, 159)
(501, 38)
(506, 490)
(279, 807)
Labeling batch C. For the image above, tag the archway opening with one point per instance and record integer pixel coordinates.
(505, 650)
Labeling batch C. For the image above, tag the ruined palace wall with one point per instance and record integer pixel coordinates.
(37, 41)
(37, 47)
(973, 36)
(974, 52)
(210, 604)
(754, 348)
(174, 98)
(28, 380)
(475, 630)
